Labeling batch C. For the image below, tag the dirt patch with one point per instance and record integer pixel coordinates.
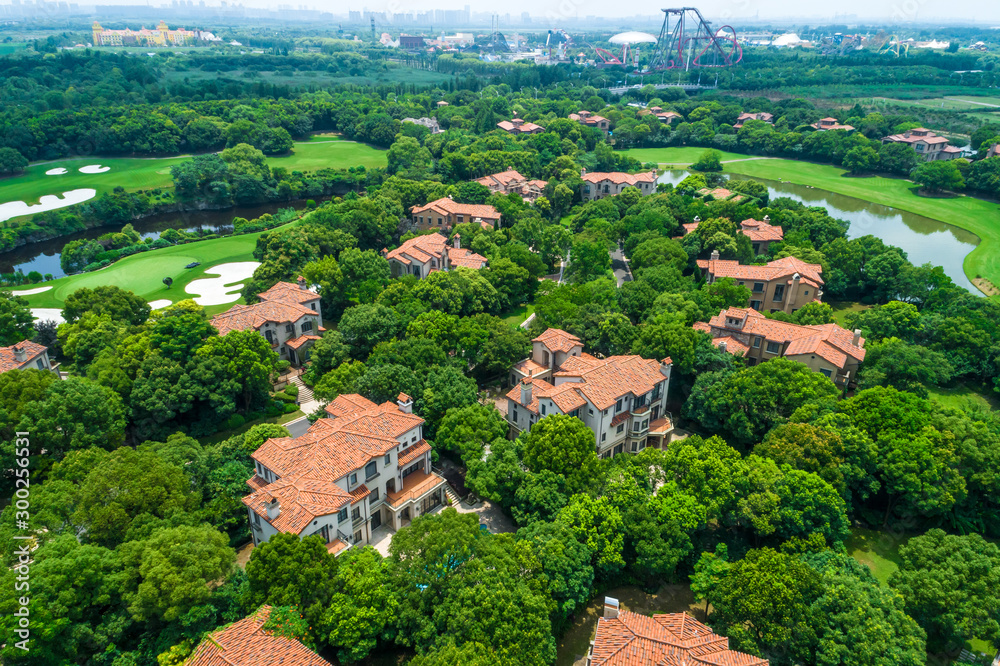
(985, 286)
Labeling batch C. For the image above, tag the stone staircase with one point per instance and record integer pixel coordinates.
(305, 393)
(450, 493)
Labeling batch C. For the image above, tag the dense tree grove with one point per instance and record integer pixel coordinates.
(142, 452)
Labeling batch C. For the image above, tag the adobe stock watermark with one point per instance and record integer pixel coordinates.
(22, 515)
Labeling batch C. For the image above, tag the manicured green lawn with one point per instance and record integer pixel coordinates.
(961, 395)
(843, 308)
(876, 550)
(677, 156)
(129, 172)
(519, 314)
(330, 153)
(144, 273)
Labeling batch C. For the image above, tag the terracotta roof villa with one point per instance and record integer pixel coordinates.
(827, 124)
(25, 355)
(362, 467)
(624, 638)
(760, 232)
(622, 399)
(743, 117)
(422, 255)
(519, 126)
(246, 643)
(589, 119)
(511, 181)
(444, 213)
(598, 185)
(288, 315)
(827, 348)
(783, 284)
(928, 145)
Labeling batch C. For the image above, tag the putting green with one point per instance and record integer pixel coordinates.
(978, 216)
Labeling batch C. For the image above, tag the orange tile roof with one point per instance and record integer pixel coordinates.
(421, 248)
(556, 339)
(295, 343)
(462, 258)
(733, 346)
(279, 304)
(411, 453)
(618, 177)
(670, 639)
(758, 230)
(503, 179)
(779, 268)
(349, 404)
(246, 643)
(301, 499)
(518, 127)
(601, 382)
(9, 362)
(449, 206)
(828, 341)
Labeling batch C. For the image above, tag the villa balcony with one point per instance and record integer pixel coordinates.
(416, 486)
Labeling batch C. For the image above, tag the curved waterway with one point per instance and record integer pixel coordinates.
(924, 240)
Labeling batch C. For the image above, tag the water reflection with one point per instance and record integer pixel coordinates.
(924, 240)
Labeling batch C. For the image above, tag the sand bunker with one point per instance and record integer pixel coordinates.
(48, 314)
(58, 171)
(94, 168)
(29, 292)
(162, 303)
(213, 291)
(48, 202)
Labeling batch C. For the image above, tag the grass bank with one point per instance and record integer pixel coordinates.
(977, 216)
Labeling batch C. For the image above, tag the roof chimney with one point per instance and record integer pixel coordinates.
(583, 172)
(697, 218)
(796, 277)
(665, 366)
(302, 283)
(20, 354)
(525, 391)
(610, 608)
(405, 403)
(767, 218)
(857, 337)
(273, 508)
(457, 242)
(723, 346)
(715, 255)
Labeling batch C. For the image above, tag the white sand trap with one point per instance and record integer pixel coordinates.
(46, 314)
(48, 202)
(94, 168)
(162, 303)
(29, 292)
(58, 171)
(213, 291)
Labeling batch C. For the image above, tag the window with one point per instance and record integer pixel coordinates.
(313, 306)
(307, 326)
(354, 479)
(604, 436)
(605, 412)
(513, 415)
(755, 305)
(439, 221)
(543, 409)
(342, 515)
(421, 219)
(40, 363)
(618, 405)
(388, 459)
(461, 218)
(758, 287)
(356, 513)
(590, 410)
(826, 372)
(779, 292)
(374, 496)
(806, 292)
(621, 426)
(256, 519)
(773, 347)
(756, 342)
(371, 470)
(289, 328)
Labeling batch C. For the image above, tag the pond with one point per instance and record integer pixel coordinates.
(924, 240)
(44, 256)
(574, 644)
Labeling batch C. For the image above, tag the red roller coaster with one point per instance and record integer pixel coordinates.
(691, 42)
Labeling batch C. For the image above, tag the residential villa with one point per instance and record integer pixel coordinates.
(743, 117)
(783, 284)
(827, 124)
(928, 145)
(422, 255)
(624, 638)
(246, 643)
(827, 348)
(361, 467)
(519, 126)
(429, 123)
(288, 315)
(588, 119)
(760, 232)
(512, 182)
(667, 117)
(598, 185)
(25, 355)
(442, 214)
(622, 399)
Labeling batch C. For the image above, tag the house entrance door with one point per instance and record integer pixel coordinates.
(376, 519)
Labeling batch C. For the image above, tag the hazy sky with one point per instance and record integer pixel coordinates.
(986, 12)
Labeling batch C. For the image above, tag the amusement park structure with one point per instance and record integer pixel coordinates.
(691, 42)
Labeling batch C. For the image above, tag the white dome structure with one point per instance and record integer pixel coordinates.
(633, 38)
